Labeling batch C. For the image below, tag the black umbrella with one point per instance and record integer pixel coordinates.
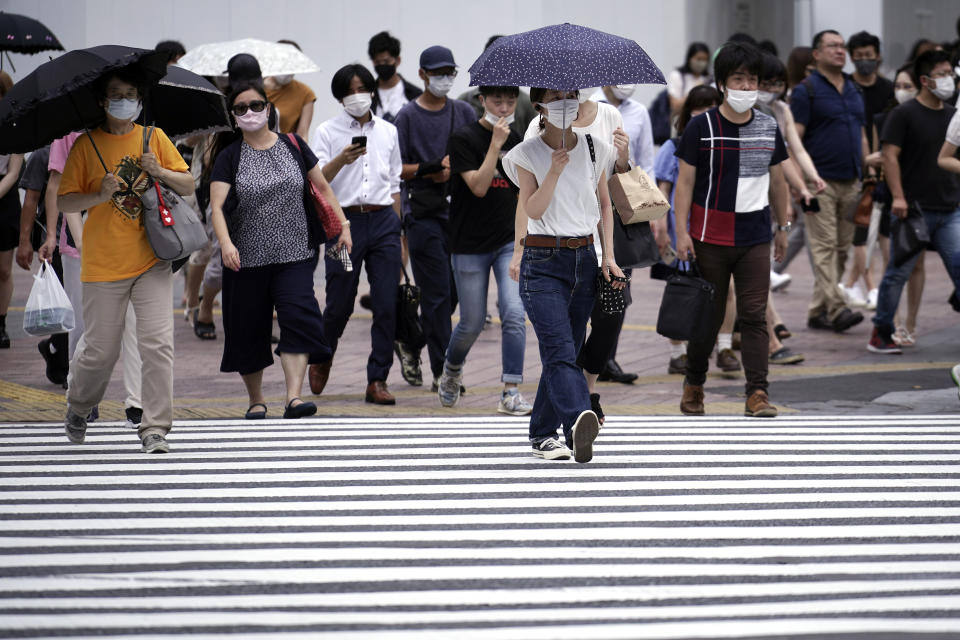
(21, 34)
(185, 104)
(58, 97)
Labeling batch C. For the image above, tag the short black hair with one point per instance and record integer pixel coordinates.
(740, 36)
(291, 42)
(500, 90)
(490, 41)
(772, 69)
(699, 97)
(927, 60)
(340, 85)
(381, 42)
(819, 36)
(734, 56)
(863, 39)
(172, 48)
(768, 46)
(124, 74)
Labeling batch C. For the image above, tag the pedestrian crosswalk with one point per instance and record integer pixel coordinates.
(450, 528)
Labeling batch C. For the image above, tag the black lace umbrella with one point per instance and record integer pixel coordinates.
(22, 34)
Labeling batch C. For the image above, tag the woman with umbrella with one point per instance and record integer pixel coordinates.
(117, 263)
(562, 177)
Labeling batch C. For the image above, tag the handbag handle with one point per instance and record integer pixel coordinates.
(593, 167)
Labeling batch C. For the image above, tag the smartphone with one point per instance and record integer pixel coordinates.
(813, 207)
(360, 140)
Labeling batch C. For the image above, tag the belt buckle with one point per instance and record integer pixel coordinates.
(573, 243)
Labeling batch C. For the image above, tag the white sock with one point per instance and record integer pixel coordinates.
(724, 341)
(677, 350)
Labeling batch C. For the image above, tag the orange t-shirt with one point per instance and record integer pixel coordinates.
(115, 245)
(289, 101)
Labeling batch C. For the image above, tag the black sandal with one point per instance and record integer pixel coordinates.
(595, 406)
(301, 410)
(203, 330)
(782, 332)
(256, 415)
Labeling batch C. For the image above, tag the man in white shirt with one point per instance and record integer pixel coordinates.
(636, 124)
(360, 156)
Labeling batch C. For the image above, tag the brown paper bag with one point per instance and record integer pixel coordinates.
(636, 197)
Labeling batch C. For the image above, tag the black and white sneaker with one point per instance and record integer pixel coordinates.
(409, 364)
(75, 426)
(134, 417)
(583, 433)
(551, 449)
(155, 443)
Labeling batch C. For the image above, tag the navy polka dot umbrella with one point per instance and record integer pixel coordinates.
(564, 57)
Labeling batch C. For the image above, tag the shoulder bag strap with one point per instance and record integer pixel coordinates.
(593, 166)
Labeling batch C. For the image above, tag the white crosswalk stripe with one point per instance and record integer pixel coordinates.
(450, 528)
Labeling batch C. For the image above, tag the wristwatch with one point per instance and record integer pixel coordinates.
(784, 227)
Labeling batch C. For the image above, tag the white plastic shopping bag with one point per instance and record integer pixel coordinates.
(48, 309)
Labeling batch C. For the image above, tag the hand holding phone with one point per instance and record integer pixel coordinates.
(360, 140)
(812, 207)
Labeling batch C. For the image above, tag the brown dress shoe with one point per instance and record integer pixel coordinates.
(318, 376)
(727, 361)
(691, 404)
(758, 406)
(377, 393)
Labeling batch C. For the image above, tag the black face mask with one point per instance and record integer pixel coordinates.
(385, 71)
(866, 67)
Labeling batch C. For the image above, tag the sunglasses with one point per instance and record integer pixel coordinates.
(240, 108)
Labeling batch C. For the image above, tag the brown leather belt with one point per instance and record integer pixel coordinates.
(554, 242)
(364, 208)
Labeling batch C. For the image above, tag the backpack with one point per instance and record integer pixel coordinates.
(660, 117)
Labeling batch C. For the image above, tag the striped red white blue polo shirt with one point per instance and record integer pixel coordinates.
(731, 205)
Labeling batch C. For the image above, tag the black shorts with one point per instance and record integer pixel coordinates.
(860, 236)
(885, 214)
(10, 220)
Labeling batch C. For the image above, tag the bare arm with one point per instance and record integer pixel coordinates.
(74, 220)
(947, 160)
(348, 156)
(864, 152)
(478, 180)
(606, 228)
(397, 206)
(28, 214)
(306, 118)
(682, 200)
(228, 252)
(519, 232)
(10, 180)
(891, 171)
(780, 199)
(796, 149)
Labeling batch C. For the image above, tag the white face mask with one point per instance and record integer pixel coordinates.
(698, 66)
(944, 89)
(283, 80)
(623, 91)
(494, 119)
(440, 85)
(741, 101)
(766, 97)
(561, 113)
(357, 104)
(904, 95)
(124, 109)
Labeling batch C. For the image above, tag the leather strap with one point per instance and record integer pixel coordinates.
(554, 242)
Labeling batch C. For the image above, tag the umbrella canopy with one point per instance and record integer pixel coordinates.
(564, 57)
(22, 34)
(58, 97)
(184, 104)
(275, 58)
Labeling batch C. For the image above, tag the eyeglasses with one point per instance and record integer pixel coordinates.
(240, 108)
(438, 73)
(133, 94)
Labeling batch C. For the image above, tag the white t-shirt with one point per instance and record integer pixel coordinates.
(573, 211)
(392, 100)
(953, 130)
(607, 120)
(679, 84)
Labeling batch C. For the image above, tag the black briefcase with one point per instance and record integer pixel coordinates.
(686, 309)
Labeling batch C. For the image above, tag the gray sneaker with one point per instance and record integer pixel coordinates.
(583, 433)
(155, 443)
(448, 388)
(551, 449)
(76, 427)
(513, 404)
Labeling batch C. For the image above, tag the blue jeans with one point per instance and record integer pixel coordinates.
(944, 228)
(558, 287)
(471, 272)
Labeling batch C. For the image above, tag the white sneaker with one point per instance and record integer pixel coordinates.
(853, 295)
(779, 280)
(955, 374)
(513, 404)
(448, 389)
(872, 299)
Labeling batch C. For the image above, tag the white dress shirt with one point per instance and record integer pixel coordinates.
(636, 124)
(373, 178)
